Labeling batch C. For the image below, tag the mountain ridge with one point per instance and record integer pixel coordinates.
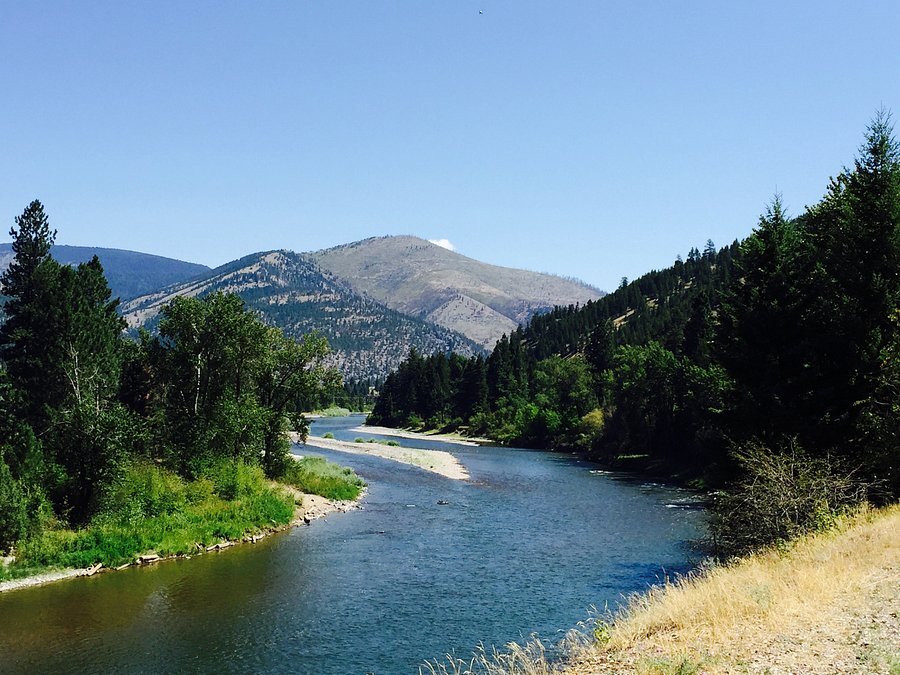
(291, 291)
(418, 277)
(129, 273)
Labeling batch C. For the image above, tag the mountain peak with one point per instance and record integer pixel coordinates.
(415, 276)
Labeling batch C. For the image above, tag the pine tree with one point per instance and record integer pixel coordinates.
(29, 278)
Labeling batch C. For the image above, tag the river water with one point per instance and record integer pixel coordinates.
(529, 544)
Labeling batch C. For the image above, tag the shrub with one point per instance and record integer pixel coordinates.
(782, 494)
(13, 511)
(328, 434)
(335, 411)
(144, 490)
(590, 429)
(234, 479)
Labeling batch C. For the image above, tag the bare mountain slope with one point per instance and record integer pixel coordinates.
(479, 300)
(290, 291)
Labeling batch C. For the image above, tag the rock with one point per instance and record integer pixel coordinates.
(93, 570)
(221, 545)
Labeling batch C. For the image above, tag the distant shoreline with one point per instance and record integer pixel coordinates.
(456, 439)
(435, 461)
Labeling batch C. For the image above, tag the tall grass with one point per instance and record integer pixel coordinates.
(318, 476)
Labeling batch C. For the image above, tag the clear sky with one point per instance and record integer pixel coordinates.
(592, 139)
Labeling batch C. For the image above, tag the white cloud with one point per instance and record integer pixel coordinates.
(443, 243)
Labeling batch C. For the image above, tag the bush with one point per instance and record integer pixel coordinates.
(590, 429)
(318, 476)
(144, 490)
(328, 434)
(13, 509)
(234, 479)
(335, 411)
(782, 494)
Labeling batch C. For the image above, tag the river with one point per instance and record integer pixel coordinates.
(529, 544)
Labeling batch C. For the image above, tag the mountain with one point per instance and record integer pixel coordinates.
(129, 273)
(479, 300)
(291, 291)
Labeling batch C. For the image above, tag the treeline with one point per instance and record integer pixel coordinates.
(539, 383)
(81, 405)
(770, 368)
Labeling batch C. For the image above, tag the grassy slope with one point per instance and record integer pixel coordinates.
(829, 603)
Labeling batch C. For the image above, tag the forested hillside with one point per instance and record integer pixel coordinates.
(770, 368)
(129, 273)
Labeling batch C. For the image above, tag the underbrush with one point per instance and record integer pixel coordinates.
(318, 476)
(152, 509)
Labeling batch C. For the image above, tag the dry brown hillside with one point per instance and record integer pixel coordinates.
(479, 300)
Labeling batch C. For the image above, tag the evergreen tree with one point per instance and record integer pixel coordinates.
(25, 283)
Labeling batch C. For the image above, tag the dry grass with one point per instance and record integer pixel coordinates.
(529, 658)
(827, 604)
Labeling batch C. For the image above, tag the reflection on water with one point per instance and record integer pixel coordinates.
(529, 544)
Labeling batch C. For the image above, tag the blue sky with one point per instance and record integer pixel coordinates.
(589, 139)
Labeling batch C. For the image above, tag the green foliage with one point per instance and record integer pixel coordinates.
(328, 434)
(146, 490)
(151, 509)
(13, 504)
(316, 475)
(335, 411)
(234, 479)
(95, 424)
(590, 430)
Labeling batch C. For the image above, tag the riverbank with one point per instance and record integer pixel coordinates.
(182, 534)
(827, 603)
(436, 461)
(456, 439)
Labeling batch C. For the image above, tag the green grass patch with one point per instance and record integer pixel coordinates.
(318, 476)
(152, 509)
(334, 411)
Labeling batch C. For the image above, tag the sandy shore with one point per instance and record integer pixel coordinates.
(436, 461)
(403, 433)
(309, 508)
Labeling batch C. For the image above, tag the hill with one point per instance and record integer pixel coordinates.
(479, 300)
(291, 291)
(129, 273)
